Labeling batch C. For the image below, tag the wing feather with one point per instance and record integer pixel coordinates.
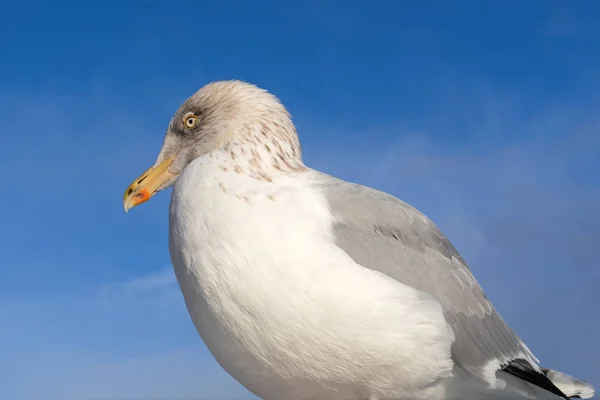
(386, 234)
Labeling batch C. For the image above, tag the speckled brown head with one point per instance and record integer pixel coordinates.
(216, 116)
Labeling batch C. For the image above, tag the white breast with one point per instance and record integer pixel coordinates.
(284, 310)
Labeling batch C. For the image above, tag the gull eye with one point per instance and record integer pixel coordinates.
(190, 121)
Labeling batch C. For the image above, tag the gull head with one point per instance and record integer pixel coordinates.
(218, 115)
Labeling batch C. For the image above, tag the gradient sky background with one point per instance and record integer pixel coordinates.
(484, 115)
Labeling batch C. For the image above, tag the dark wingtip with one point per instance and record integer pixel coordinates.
(522, 369)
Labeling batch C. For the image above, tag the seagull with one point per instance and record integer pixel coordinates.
(307, 287)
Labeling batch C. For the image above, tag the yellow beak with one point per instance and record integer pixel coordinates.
(146, 186)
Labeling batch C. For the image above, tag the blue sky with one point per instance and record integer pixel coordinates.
(484, 115)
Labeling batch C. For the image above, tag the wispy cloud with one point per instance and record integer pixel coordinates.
(159, 280)
(153, 283)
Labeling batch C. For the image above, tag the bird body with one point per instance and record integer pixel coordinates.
(306, 287)
(285, 322)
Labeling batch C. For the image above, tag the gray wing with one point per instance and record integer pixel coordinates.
(385, 234)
